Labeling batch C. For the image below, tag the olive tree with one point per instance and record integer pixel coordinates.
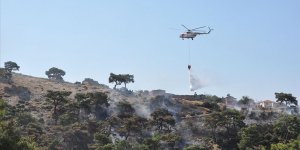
(55, 73)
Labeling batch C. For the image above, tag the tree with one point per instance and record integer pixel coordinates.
(114, 78)
(106, 126)
(163, 120)
(98, 99)
(291, 145)
(232, 121)
(125, 110)
(127, 78)
(245, 100)
(86, 101)
(287, 128)
(227, 123)
(121, 78)
(10, 138)
(254, 136)
(6, 72)
(287, 98)
(11, 66)
(57, 98)
(55, 73)
(134, 126)
(101, 140)
(212, 122)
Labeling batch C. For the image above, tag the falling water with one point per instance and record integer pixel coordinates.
(195, 82)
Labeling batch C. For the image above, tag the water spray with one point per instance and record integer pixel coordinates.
(195, 82)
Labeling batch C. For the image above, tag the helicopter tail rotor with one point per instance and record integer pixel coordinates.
(210, 29)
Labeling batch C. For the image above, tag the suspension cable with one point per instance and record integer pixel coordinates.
(189, 53)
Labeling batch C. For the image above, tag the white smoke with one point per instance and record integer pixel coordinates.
(142, 110)
(195, 82)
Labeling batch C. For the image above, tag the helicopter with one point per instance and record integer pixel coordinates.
(191, 33)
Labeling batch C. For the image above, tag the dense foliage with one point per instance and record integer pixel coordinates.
(55, 73)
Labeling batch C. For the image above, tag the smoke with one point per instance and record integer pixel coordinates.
(142, 110)
(195, 82)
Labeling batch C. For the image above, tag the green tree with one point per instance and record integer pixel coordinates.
(132, 126)
(71, 115)
(163, 120)
(6, 72)
(245, 100)
(127, 78)
(106, 126)
(287, 98)
(232, 121)
(254, 136)
(212, 121)
(98, 99)
(101, 140)
(125, 109)
(88, 100)
(10, 138)
(153, 143)
(120, 78)
(213, 98)
(287, 128)
(84, 101)
(11, 66)
(225, 126)
(57, 98)
(55, 73)
(292, 145)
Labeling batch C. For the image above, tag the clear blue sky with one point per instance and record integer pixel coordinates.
(253, 51)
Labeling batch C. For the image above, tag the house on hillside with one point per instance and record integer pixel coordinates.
(278, 107)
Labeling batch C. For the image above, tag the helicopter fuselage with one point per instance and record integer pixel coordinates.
(188, 35)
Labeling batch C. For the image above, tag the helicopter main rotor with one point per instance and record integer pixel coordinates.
(193, 29)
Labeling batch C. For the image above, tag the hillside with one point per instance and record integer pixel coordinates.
(27, 94)
(93, 116)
